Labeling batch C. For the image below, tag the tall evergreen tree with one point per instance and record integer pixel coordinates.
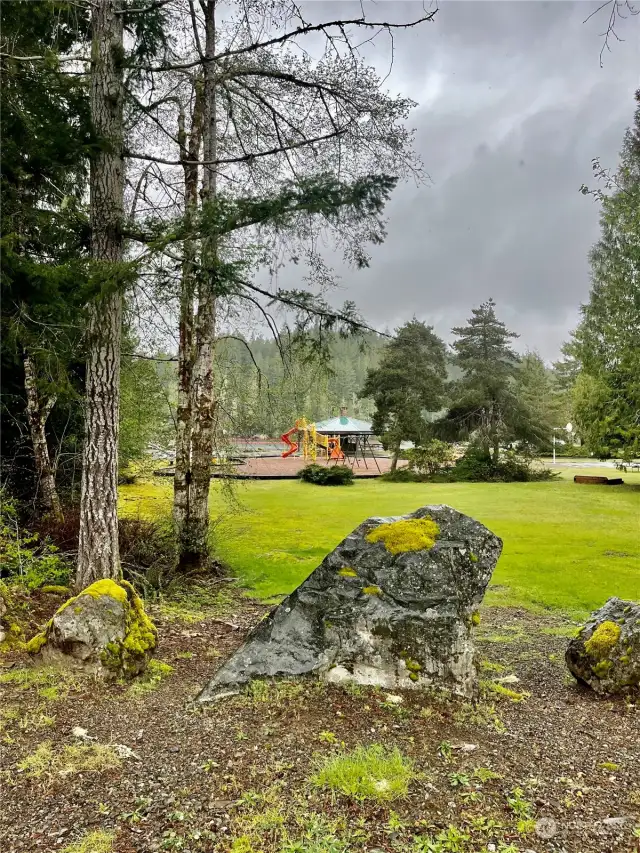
(484, 401)
(606, 345)
(46, 139)
(406, 386)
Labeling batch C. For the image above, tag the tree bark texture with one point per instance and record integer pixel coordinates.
(98, 555)
(194, 532)
(37, 414)
(189, 152)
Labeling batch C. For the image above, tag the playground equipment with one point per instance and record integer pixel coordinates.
(310, 441)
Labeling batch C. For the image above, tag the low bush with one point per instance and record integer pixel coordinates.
(327, 475)
(430, 457)
(477, 466)
(147, 554)
(25, 556)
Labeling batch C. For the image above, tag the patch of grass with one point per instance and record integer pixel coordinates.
(484, 716)
(366, 773)
(155, 672)
(195, 603)
(499, 638)
(36, 719)
(50, 682)
(319, 836)
(491, 666)
(568, 631)
(274, 691)
(484, 774)
(554, 532)
(94, 842)
(501, 692)
(77, 758)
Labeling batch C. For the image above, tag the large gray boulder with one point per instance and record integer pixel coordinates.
(393, 605)
(103, 630)
(606, 653)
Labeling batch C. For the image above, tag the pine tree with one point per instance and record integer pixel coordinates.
(407, 384)
(46, 137)
(606, 344)
(484, 401)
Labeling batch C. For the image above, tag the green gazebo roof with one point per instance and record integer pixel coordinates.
(344, 425)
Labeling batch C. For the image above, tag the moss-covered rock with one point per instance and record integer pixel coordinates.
(606, 653)
(103, 629)
(391, 606)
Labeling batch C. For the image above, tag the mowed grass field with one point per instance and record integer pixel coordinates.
(566, 546)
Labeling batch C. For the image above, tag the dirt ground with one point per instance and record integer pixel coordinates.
(548, 767)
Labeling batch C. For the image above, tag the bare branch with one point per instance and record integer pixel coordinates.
(292, 34)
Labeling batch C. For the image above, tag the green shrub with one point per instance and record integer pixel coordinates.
(572, 451)
(367, 773)
(329, 475)
(402, 475)
(514, 467)
(24, 556)
(430, 457)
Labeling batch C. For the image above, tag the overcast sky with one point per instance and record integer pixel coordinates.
(513, 106)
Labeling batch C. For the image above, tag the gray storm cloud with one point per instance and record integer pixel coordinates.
(513, 106)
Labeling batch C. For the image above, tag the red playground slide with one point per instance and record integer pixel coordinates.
(292, 444)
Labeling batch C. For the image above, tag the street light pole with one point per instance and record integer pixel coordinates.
(568, 428)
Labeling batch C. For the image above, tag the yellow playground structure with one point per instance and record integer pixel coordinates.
(311, 442)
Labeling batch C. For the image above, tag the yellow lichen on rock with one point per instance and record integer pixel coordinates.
(603, 639)
(416, 534)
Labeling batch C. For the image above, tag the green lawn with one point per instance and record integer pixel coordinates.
(566, 546)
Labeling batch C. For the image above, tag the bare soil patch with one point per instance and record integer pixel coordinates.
(538, 764)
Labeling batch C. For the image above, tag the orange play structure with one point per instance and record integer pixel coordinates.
(310, 441)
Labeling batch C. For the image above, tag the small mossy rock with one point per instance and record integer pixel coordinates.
(11, 633)
(104, 630)
(391, 606)
(606, 653)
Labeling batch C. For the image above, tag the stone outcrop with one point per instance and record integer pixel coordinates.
(104, 630)
(606, 653)
(393, 605)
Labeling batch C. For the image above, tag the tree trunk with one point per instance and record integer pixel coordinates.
(194, 534)
(495, 435)
(37, 414)
(395, 453)
(189, 151)
(98, 555)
